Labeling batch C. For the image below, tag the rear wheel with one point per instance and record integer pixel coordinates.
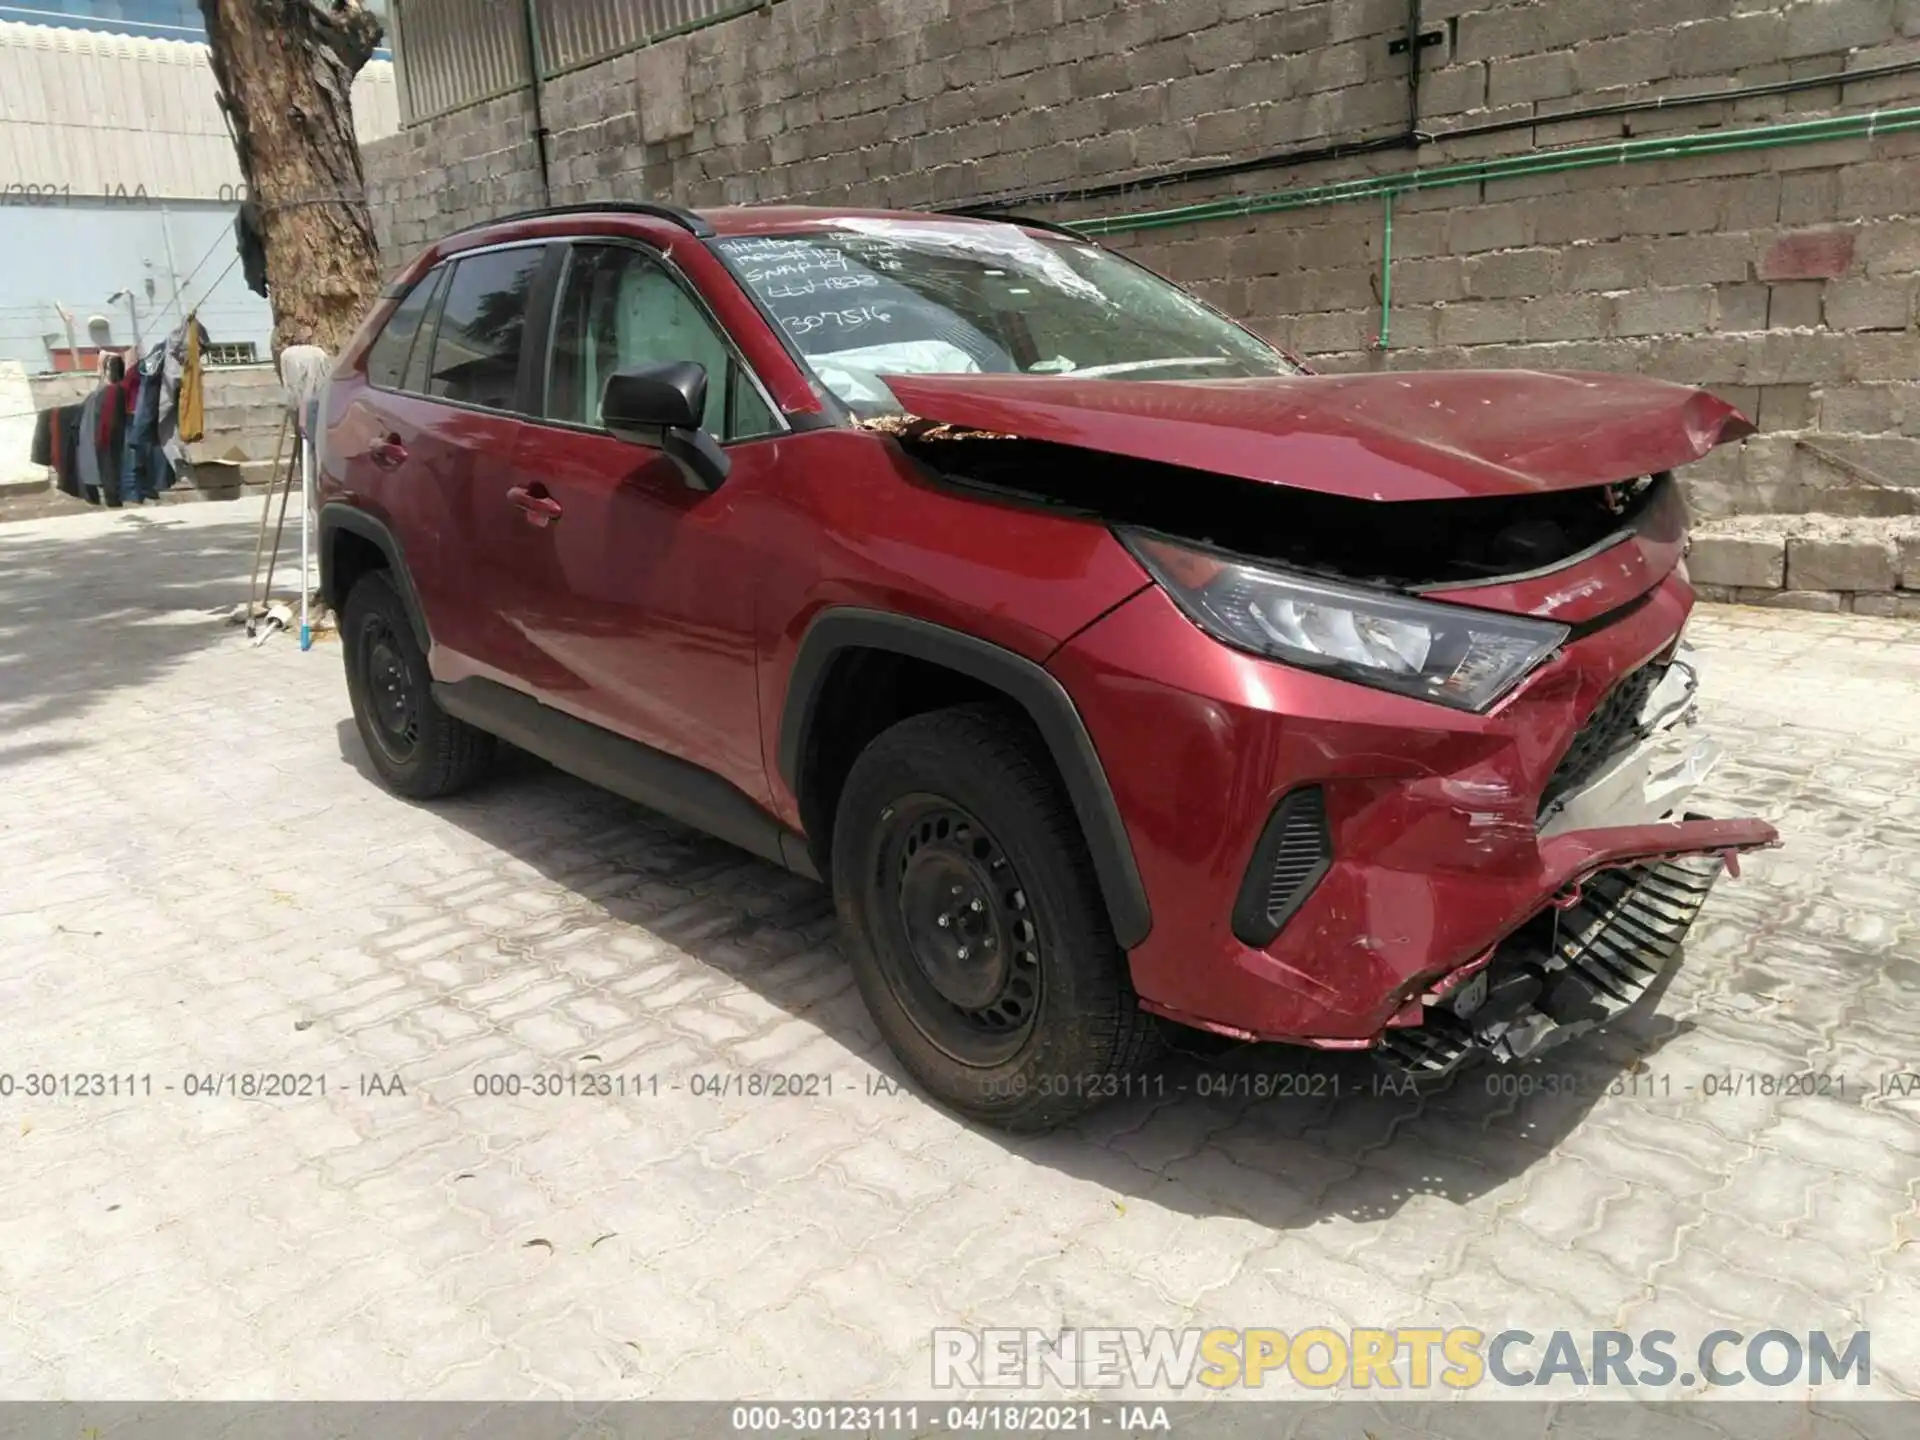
(975, 926)
(418, 749)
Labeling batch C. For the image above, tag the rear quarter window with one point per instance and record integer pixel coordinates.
(388, 355)
(415, 380)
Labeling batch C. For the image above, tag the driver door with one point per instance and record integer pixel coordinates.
(635, 590)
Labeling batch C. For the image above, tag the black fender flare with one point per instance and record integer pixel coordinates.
(336, 516)
(1027, 685)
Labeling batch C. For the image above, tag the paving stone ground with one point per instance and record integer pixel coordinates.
(198, 878)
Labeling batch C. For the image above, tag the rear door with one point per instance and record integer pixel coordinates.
(384, 439)
(636, 590)
(475, 368)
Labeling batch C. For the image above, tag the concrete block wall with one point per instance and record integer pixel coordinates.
(1832, 563)
(452, 171)
(1786, 279)
(1782, 280)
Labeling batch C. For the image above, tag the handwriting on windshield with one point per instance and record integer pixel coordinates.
(849, 319)
(824, 264)
(761, 261)
(794, 289)
(763, 247)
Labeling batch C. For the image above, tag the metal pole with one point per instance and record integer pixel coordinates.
(1413, 69)
(535, 65)
(306, 523)
(73, 344)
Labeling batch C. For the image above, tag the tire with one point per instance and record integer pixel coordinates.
(1016, 1009)
(418, 749)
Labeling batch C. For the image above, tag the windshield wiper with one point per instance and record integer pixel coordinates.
(1097, 371)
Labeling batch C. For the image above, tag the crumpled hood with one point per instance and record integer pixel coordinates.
(1433, 435)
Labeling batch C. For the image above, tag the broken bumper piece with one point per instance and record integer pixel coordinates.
(1586, 959)
(1631, 883)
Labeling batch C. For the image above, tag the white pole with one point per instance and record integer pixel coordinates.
(306, 522)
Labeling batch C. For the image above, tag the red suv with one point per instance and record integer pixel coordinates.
(1108, 664)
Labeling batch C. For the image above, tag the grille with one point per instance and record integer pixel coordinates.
(1293, 852)
(1613, 726)
(1618, 941)
(1628, 925)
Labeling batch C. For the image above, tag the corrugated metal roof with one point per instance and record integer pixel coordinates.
(118, 114)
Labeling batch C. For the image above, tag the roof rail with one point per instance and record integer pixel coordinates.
(693, 224)
(1027, 220)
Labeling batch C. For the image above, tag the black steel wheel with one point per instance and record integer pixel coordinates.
(418, 749)
(391, 689)
(974, 924)
(964, 918)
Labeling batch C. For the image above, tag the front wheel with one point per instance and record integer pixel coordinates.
(975, 926)
(418, 749)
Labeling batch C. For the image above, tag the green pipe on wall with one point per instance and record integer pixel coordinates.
(1585, 157)
(1512, 167)
(1386, 269)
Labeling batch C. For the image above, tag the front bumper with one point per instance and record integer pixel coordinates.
(1601, 948)
(1442, 854)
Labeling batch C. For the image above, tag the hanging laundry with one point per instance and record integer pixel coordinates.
(65, 444)
(113, 431)
(87, 443)
(192, 398)
(41, 451)
(132, 488)
(152, 472)
(172, 430)
(251, 239)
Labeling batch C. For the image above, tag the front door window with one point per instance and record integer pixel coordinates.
(618, 308)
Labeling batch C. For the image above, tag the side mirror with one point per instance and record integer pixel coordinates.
(662, 405)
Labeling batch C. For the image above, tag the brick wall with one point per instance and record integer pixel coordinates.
(1785, 278)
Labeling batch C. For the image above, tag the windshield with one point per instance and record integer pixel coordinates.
(880, 297)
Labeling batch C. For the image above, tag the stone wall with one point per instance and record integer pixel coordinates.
(1832, 563)
(1785, 278)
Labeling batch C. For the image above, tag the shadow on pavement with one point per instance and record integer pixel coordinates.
(84, 616)
(1276, 1134)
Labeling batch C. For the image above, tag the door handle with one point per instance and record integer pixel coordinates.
(388, 454)
(540, 509)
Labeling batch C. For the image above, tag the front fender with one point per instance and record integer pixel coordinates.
(337, 518)
(1027, 684)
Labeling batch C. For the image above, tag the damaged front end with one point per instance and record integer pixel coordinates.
(1433, 778)
(1610, 941)
(1412, 545)
(1589, 957)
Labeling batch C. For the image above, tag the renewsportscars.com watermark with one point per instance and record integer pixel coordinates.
(1405, 1358)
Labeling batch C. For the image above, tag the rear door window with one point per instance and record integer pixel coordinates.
(476, 348)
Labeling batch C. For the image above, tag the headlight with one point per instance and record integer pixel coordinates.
(1446, 653)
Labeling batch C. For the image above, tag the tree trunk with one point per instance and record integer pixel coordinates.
(285, 70)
